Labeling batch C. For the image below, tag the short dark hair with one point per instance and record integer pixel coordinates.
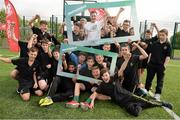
(90, 58)
(125, 45)
(43, 22)
(55, 50)
(44, 41)
(82, 53)
(95, 68)
(77, 24)
(104, 70)
(106, 43)
(33, 49)
(127, 21)
(148, 31)
(92, 12)
(71, 63)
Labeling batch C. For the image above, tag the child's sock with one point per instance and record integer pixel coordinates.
(89, 100)
(76, 98)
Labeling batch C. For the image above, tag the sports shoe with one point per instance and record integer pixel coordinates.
(84, 106)
(168, 105)
(157, 97)
(72, 104)
(134, 109)
(47, 102)
(18, 90)
(150, 93)
(42, 100)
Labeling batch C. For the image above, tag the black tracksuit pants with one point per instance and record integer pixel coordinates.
(151, 71)
(61, 89)
(133, 103)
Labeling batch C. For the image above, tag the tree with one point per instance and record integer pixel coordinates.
(2, 20)
(176, 42)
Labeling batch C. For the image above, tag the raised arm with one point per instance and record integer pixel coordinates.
(144, 54)
(30, 42)
(124, 65)
(118, 14)
(12, 33)
(33, 19)
(153, 25)
(65, 66)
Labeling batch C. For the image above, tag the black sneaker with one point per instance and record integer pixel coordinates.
(134, 109)
(18, 90)
(168, 105)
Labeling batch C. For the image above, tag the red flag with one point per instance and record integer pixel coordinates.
(12, 20)
(2, 26)
(100, 12)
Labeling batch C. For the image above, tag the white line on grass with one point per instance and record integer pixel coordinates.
(169, 111)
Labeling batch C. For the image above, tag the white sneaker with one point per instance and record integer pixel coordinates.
(157, 97)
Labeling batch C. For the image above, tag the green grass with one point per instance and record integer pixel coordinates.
(11, 105)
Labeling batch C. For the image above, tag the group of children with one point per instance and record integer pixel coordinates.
(37, 66)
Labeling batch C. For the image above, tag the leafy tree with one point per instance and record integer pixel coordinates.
(2, 20)
(176, 41)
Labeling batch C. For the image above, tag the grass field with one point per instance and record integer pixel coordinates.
(12, 107)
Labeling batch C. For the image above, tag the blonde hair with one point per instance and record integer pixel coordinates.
(164, 31)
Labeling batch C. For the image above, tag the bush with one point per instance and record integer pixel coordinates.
(176, 41)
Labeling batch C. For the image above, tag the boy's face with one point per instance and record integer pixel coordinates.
(162, 36)
(56, 55)
(45, 46)
(93, 17)
(32, 55)
(131, 31)
(71, 68)
(148, 36)
(125, 50)
(102, 32)
(106, 77)
(34, 41)
(106, 47)
(76, 29)
(126, 26)
(99, 59)
(44, 27)
(82, 58)
(90, 63)
(82, 22)
(107, 28)
(96, 73)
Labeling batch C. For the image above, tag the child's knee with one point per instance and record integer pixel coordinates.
(42, 84)
(39, 93)
(25, 97)
(13, 74)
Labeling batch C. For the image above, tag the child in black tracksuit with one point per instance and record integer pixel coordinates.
(61, 88)
(113, 87)
(160, 52)
(27, 74)
(44, 57)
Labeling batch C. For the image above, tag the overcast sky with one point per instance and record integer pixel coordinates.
(161, 10)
